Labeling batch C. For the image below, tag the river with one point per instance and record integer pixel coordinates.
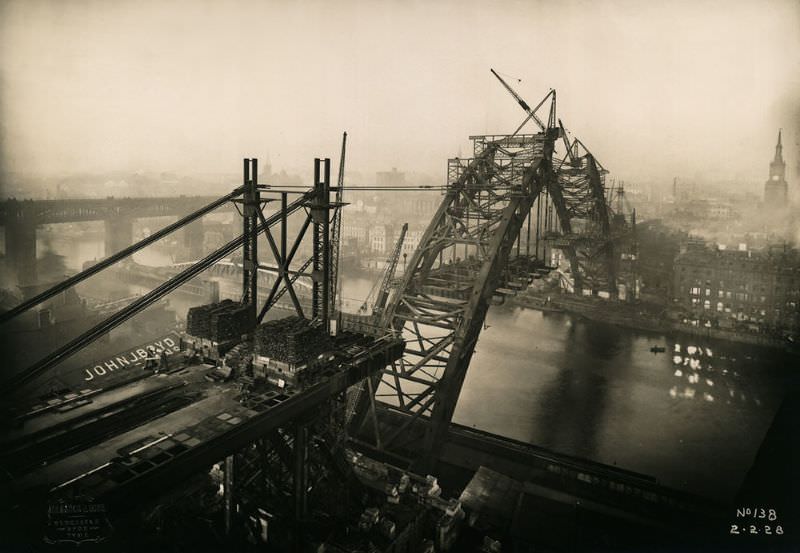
(692, 420)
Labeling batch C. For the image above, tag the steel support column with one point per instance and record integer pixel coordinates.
(320, 215)
(193, 239)
(300, 472)
(118, 234)
(229, 492)
(251, 207)
(21, 250)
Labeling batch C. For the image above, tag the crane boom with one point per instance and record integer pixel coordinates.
(336, 238)
(383, 293)
(380, 290)
(523, 104)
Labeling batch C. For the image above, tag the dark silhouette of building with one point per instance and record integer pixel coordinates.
(391, 178)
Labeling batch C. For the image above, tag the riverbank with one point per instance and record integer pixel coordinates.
(634, 317)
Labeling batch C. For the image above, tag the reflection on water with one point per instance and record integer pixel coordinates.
(597, 391)
(693, 416)
(78, 252)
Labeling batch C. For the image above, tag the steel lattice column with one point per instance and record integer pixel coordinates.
(250, 232)
(320, 214)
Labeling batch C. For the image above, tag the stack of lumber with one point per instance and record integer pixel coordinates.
(229, 323)
(218, 321)
(291, 340)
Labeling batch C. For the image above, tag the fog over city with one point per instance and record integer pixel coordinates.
(288, 275)
(657, 90)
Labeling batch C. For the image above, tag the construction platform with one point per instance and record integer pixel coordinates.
(145, 432)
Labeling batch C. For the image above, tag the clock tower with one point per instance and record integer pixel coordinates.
(776, 189)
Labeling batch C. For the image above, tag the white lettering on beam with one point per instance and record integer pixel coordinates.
(165, 345)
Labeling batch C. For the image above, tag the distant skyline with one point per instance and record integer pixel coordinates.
(656, 89)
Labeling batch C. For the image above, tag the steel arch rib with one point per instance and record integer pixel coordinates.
(442, 309)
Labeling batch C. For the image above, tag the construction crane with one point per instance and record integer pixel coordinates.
(551, 121)
(381, 295)
(335, 282)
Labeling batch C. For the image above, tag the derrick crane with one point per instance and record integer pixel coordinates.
(381, 294)
(336, 236)
(551, 120)
(440, 306)
(579, 194)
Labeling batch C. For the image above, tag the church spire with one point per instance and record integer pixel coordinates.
(775, 189)
(779, 148)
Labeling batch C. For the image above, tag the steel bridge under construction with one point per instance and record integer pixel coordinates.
(388, 384)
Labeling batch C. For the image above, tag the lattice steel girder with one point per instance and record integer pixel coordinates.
(602, 213)
(440, 309)
(449, 386)
(250, 210)
(579, 200)
(320, 216)
(556, 194)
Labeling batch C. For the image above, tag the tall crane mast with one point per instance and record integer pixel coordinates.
(381, 293)
(336, 237)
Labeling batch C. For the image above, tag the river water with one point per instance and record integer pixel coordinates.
(693, 417)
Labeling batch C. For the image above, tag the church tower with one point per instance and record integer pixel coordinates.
(776, 189)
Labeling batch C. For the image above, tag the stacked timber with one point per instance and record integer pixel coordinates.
(219, 322)
(198, 320)
(229, 323)
(292, 340)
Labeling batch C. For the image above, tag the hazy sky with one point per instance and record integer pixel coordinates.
(655, 89)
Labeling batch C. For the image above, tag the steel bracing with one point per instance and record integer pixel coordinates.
(585, 219)
(336, 233)
(445, 292)
(316, 205)
(439, 307)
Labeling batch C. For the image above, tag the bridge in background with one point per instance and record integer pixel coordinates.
(20, 218)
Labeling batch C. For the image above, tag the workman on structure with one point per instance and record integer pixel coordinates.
(151, 361)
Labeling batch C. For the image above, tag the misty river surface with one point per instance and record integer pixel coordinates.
(596, 391)
(592, 390)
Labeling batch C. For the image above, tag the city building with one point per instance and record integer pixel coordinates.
(740, 289)
(420, 205)
(351, 230)
(390, 178)
(658, 245)
(776, 189)
(377, 238)
(412, 240)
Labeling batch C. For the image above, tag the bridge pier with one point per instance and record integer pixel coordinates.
(193, 239)
(21, 250)
(119, 233)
